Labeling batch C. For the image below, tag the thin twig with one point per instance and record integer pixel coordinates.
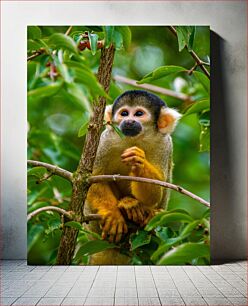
(49, 208)
(41, 51)
(199, 62)
(63, 212)
(37, 53)
(68, 31)
(154, 88)
(91, 217)
(45, 178)
(192, 69)
(107, 178)
(54, 169)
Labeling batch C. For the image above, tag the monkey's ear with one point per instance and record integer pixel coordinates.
(108, 113)
(167, 120)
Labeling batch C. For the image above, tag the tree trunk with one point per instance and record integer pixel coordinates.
(79, 185)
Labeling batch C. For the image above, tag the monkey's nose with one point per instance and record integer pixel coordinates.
(130, 127)
(130, 123)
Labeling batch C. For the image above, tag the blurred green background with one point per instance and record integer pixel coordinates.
(57, 114)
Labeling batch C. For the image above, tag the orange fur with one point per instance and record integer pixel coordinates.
(147, 194)
(104, 203)
(133, 209)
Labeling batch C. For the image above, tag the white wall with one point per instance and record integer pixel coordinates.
(229, 103)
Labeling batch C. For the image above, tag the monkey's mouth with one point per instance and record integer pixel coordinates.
(130, 132)
(131, 128)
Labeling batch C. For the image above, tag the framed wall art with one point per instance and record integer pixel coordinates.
(118, 145)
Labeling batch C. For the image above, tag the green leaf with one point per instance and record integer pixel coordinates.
(198, 107)
(87, 78)
(34, 32)
(170, 217)
(39, 172)
(33, 45)
(163, 233)
(188, 229)
(140, 238)
(108, 31)
(94, 235)
(191, 39)
(93, 38)
(34, 234)
(136, 260)
(185, 36)
(206, 223)
(160, 215)
(54, 224)
(205, 139)
(95, 28)
(155, 220)
(117, 130)
(117, 40)
(126, 35)
(185, 253)
(204, 118)
(164, 248)
(161, 72)
(63, 41)
(94, 246)
(74, 224)
(45, 91)
(64, 72)
(78, 226)
(78, 96)
(83, 128)
(36, 194)
(74, 64)
(172, 241)
(206, 214)
(36, 206)
(203, 79)
(33, 73)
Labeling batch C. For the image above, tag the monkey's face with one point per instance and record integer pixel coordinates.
(138, 113)
(132, 120)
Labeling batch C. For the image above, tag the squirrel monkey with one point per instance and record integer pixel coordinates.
(145, 151)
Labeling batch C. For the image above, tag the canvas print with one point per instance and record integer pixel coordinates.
(118, 145)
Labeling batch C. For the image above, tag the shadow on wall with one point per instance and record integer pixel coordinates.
(225, 232)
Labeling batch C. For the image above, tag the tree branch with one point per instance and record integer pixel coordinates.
(199, 62)
(80, 185)
(69, 215)
(68, 31)
(49, 208)
(42, 50)
(154, 88)
(37, 53)
(54, 169)
(113, 178)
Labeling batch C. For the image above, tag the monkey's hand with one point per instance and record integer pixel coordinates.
(147, 194)
(132, 209)
(113, 224)
(134, 157)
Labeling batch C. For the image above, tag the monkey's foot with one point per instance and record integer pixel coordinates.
(113, 225)
(133, 209)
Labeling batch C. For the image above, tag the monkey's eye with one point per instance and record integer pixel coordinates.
(124, 113)
(139, 113)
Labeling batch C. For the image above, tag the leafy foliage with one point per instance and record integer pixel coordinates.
(62, 86)
(185, 36)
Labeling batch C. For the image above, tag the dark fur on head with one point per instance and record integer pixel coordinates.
(142, 98)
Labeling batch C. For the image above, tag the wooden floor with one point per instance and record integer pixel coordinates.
(123, 285)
